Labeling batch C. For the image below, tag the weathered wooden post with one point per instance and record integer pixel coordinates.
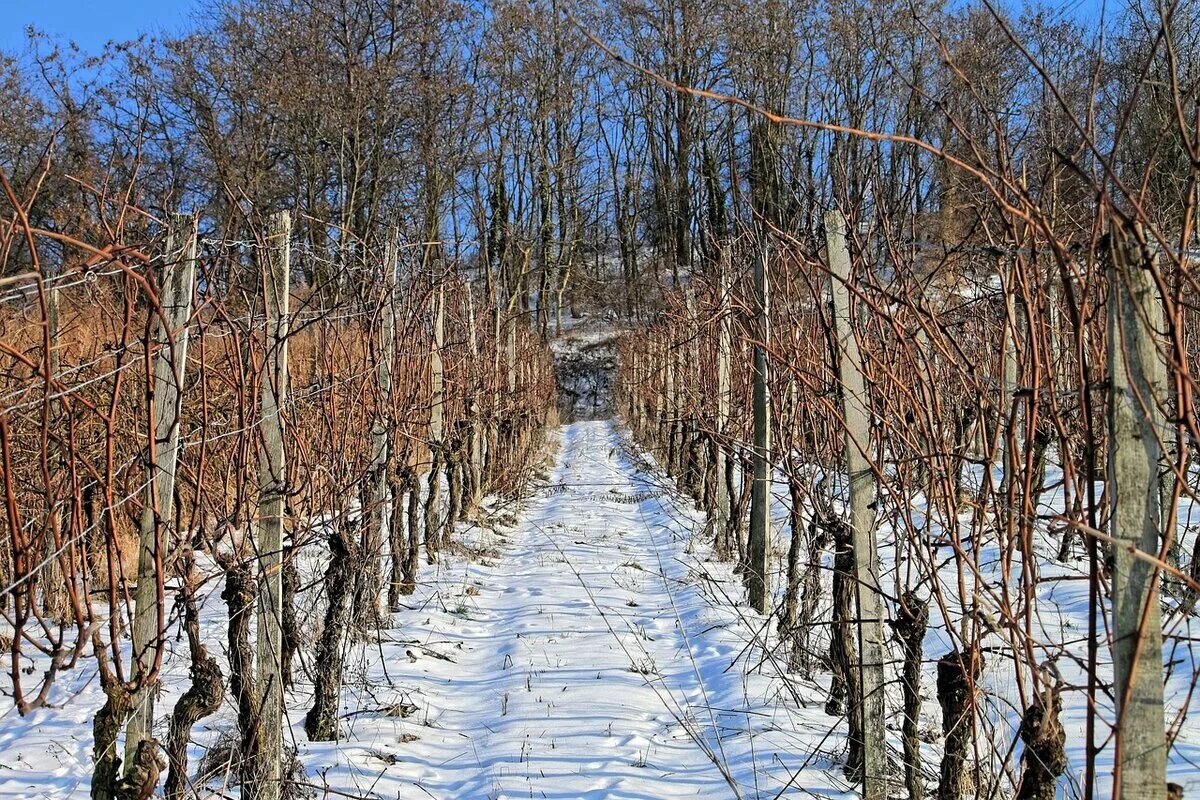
(272, 472)
(475, 431)
(433, 500)
(862, 519)
(1136, 430)
(490, 438)
(693, 454)
(672, 408)
(510, 347)
(368, 606)
(54, 592)
(1170, 435)
(170, 361)
(757, 582)
(724, 391)
(629, 394)
(1053, 334)
(1008, 416)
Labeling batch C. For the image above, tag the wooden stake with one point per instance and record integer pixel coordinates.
(862, 517)
(433, 501)
(475, 445)
(368, 606)
(272, 471)
(154, 544)
(757, 582)
(1136, 430)
(724, 504)
(54, 593)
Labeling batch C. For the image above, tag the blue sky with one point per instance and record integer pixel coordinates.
(90, 23)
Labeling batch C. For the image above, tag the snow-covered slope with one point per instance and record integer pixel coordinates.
(585, 361)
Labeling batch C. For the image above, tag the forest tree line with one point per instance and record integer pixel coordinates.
(503, 132)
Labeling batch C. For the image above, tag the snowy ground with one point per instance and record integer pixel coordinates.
(587, 651)
(587, 647)
(587, 663)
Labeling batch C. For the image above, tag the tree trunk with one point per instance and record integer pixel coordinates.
(321, 722)
(1045, 757)
(433, 503)
(107, 725)
(789, 620)
(291, 629)
(911, 622)
(239, 594)
(412, 561)
(397, 543)
(957, 673)
(846, 687)
(818, 539)
(202, 698)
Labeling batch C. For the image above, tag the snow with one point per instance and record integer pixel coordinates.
(589, 650)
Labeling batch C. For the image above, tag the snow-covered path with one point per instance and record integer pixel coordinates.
(586, 663)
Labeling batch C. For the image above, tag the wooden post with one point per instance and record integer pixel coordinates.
(510, 352)
(724, 509)
(272, 474)
(54, 592)
(757, 581)
(368, 606)
(513, 303)
(657, 367)
(433, 522)
(1008, 388)
(1053, 295)
(154, 539)
(490, 438)
(1171, 435)
(475, 433)
(1135, 450)
(695, 449)
(862, 519)
(672, 409)
(437, 411)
